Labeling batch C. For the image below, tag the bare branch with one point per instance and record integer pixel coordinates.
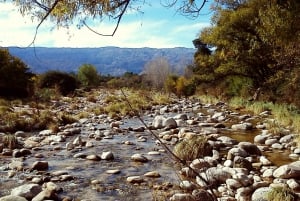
(168, 150)
(119, 18)
(42, 20)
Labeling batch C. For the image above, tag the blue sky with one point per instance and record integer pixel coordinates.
(157, 27)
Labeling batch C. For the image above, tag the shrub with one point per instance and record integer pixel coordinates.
(10, 141)
(192, 148)
(63, 82)
(88, 75)
(281, 194)
(15, 77)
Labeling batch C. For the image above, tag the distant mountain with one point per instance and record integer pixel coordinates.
(108, 60)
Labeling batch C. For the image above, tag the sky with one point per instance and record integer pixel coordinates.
(156, 27)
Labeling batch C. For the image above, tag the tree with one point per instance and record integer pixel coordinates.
(255, 45)
(157, 71)
(65, 13)
(16, 80)
(88, 75)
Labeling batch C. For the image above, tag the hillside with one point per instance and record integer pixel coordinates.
(108, 60)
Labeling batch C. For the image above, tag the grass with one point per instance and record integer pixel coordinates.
(192, 148)
(10, 141)
(281, 194)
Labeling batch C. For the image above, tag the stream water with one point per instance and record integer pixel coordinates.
(113, 187)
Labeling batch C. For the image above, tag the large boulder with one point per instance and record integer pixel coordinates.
(288, 171)
(260, 194)
(250, 148)
(27, 191)
(12, 198)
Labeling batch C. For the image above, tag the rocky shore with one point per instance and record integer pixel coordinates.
(104, 158)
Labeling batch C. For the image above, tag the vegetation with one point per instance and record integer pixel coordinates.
(250, 46)
(281, 194)
(67, 13)
(15, 77)
(192, 148)
(10, 141)
(88, 75)
(65, 83)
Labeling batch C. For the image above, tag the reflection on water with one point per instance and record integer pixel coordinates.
(277, 157)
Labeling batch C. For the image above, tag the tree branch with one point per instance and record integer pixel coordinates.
(119, 18)
(43, 19)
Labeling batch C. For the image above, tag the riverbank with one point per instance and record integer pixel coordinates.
(114, 157)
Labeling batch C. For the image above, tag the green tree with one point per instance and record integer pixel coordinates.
(16, 80)
(254, 43)
(88, 75)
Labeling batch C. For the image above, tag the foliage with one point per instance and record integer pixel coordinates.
(180, 86)
(281, 194)
(252, 46)
(88, 75)
(192, 148)
(63, 82)
(128, 79)
(15, 77)
(67, 13)
(10, 141)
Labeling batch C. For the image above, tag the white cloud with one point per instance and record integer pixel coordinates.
(136, 32)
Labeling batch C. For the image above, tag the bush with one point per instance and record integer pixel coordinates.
(281, 194)
(192, 148)
(15, 77)
(63, 82)
(88, 75)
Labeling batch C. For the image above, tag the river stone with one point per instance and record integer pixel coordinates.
(115, 171)
(261, 138)
(153, 174)
(268, 173)
(227, 140)
(12, 198)
(250, 148)
(182, 197)
(158, 122)
(187, 185)
(27, 191)
(288, 171)
(265, 161)
(236, 151)
(199, 164)
(293, 184)
(240, 162)
(46, 132)
(93, 157)
(181, 117)
(45, 195)
(135, 179)
(260, 194)
(169, 123)
(139, 158)
(233, 184)
(108, 155)
(242, 126)
(40, 165)
(271, 141)
(153, 153)
(16, 165)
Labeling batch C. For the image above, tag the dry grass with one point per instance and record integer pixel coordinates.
(192, 148)
(281, 194)
(10, 141)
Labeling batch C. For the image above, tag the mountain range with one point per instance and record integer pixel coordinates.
(108, 60)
